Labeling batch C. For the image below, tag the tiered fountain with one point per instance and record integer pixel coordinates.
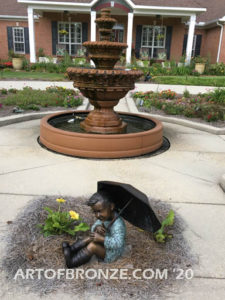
(102, 133)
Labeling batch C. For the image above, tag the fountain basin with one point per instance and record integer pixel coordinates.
(89, 145)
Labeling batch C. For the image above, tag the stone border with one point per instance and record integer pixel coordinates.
(34, 116)
(214, 130)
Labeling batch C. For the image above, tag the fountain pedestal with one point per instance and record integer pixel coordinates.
(103, 119)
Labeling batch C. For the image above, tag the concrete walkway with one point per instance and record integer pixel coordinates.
(187, 176)
(138, 86)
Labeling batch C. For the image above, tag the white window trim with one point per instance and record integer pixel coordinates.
(14, 42)
(69, 43)
(153, 38)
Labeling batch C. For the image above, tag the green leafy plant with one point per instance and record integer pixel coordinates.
(58, 222)
(200, 59)
(41, 52)
(63, 32)
(160, 235)
(12, 54)
(167, 94)
(186, 93)
(4, 91)
(72, 100)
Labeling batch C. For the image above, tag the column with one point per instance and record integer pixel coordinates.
(129, 36)
(30, 13)
(93, 26)
(93, 30)
(190, 39)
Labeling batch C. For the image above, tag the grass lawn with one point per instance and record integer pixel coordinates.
(32, 75)
(191, 80)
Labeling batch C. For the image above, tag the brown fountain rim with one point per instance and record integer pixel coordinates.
(105, 44)
(98, 145)
(114, 72)
(47, 118)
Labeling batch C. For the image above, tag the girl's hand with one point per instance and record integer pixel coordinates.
(96, 237)
(101, 230)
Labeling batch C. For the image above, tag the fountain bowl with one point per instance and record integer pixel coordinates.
(90, 145)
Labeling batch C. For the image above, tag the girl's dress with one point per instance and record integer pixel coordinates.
(114, 239)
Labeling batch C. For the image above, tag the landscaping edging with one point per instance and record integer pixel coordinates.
(214, 130)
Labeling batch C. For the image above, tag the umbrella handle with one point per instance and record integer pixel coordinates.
(120, 212)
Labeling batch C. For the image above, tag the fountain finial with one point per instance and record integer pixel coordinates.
(105, 24)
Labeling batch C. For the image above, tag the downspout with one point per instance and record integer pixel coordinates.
(220, 41)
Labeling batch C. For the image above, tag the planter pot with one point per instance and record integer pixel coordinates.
(17, 63)
(200, 68)
(180, 64)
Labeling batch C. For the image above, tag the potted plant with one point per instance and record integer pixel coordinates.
(63, 32)
(17, 60)
(200, 64)
(160, 36)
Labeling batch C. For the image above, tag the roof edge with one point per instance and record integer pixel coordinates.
(145, 7)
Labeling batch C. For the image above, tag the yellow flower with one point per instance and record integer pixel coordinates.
(74, 215)
(60, 200)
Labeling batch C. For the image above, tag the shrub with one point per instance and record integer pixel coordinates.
(216, 69)
(71, 101)
(195, 73)
(217, 96)
(186, 94)
(41, 52)
(12, 91)
(4, 91)
(167, 94)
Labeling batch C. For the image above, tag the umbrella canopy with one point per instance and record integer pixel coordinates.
(138, 212)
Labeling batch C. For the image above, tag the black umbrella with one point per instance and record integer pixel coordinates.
(131, 204)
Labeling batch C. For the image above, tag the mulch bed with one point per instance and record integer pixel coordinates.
(26, 248)
(153, 110)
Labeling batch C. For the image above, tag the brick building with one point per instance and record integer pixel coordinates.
(150, 27)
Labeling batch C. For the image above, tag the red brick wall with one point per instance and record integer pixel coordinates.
(210, 47)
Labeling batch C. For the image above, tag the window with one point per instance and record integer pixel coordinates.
(70, 35)
(18, 40)
(117, 33)
(153, 38)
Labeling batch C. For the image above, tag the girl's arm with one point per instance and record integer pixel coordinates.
(117, 237)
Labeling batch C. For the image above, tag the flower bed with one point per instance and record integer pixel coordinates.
(6, 64)
(208, 106)
(30, 99)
